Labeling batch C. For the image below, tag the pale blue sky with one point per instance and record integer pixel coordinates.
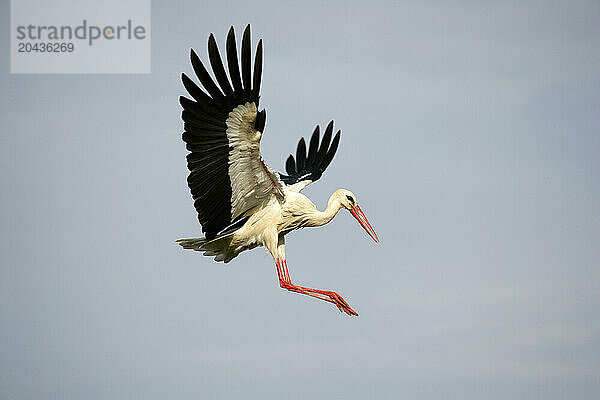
(471, 137)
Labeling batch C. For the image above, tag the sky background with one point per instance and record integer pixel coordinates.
(471, 137)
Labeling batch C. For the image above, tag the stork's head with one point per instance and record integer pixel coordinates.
(348, 201)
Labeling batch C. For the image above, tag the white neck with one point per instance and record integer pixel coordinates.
(322, 217)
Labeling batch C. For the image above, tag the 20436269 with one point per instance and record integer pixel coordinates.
(45, 47)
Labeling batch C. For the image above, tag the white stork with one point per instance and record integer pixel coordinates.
(241, 202)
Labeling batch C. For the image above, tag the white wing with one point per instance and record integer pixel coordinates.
(253, 183)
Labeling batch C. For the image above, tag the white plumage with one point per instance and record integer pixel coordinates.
(252, 181)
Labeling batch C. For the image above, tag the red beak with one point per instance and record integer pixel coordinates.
(362, 220)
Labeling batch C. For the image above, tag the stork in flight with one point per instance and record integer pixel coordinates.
(241, 202)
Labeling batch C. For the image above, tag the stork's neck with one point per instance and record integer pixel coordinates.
(323, 217)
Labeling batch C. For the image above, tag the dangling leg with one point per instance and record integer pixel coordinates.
(286, 283)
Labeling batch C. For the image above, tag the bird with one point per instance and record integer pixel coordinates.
(241, 202)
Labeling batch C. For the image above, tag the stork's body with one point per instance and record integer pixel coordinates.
(268, 226)
(241, 202)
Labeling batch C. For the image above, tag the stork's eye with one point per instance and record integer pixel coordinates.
(350, 198)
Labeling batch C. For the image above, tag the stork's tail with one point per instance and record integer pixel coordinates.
(218, 247)
(192, 244)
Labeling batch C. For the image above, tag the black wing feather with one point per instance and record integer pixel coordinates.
(217, 66)
(246, 67)
(261, 120)
(257, 68)
(331, 152)
(232, 62)
(301, 155)
(204, 76)
(311, 166)
(205, 134)
(290, 165)
(326, 141)
(314, 147)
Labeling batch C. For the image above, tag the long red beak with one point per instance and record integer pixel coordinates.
(362, 220)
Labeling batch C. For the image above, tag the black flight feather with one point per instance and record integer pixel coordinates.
(311, 166)
(217, 66)
(205, 127)
(232, 62)
(261, 120)
(257, 68)
(246, 66)
(204, 76)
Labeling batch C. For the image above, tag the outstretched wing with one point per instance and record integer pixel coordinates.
(305, 168)
(228, 177)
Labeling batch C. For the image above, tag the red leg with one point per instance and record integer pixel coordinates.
(286, 273)
(326, 295)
